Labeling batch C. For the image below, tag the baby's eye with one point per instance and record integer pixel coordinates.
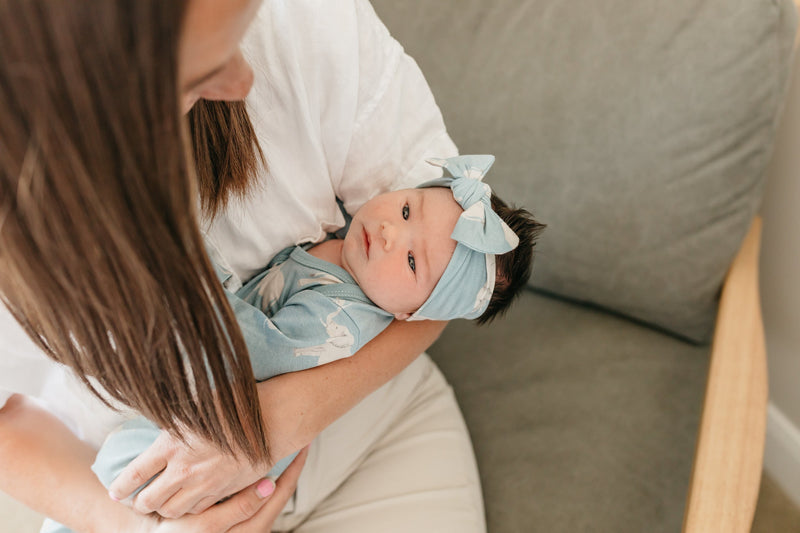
(411, 262)
(406, 211)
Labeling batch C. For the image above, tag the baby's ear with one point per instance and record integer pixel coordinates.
(401, 316)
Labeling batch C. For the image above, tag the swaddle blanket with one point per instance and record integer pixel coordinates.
(299, 313)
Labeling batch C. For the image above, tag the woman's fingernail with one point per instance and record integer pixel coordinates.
(113, 497)
(265, 488)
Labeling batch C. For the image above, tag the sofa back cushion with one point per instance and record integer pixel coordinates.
(638, 131)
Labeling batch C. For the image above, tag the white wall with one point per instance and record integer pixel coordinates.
(780, 286)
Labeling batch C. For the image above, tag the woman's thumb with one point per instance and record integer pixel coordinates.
(265, 488)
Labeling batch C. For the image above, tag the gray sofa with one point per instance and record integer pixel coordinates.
(639, 131)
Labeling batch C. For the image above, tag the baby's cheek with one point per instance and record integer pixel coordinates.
(390, 290)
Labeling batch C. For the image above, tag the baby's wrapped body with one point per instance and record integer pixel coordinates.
(303, 311)
(299, 313)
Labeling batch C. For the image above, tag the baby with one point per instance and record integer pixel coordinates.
(446, 249)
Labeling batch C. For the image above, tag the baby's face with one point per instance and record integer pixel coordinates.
(399, 245)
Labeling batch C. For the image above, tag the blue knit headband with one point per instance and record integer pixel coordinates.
(467, 284)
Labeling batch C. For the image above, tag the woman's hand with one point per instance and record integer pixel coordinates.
(193, 476)
(252, 510)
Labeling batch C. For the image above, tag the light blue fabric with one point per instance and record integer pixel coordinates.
(299, 313)
(466, 286)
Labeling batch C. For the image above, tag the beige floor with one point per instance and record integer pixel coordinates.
(775, 513)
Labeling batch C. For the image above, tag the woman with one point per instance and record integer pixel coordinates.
(96, 182)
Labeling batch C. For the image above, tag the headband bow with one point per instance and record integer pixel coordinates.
(466, 286)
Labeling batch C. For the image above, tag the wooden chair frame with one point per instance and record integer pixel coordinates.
(730, 448)
(726, 475)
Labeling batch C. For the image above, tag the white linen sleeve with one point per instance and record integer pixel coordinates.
(397, 124)
(24, 369)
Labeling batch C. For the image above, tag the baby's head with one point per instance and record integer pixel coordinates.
(439, 253)
(399, 245)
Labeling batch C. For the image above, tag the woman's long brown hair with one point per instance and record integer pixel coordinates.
(101, 258)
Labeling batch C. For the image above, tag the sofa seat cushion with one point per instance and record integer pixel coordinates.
(581, 421)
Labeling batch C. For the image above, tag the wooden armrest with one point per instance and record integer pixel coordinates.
(727, 467)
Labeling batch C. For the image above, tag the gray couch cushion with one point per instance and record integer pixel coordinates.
(581, 421)
(639, 131)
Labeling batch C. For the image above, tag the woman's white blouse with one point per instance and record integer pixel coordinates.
(339, 110)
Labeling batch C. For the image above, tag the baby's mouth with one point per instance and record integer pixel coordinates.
(366, 241)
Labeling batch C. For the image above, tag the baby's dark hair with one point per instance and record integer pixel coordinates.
(514, 267)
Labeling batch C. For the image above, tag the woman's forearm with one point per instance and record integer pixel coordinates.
(46, 467)
(297, 406)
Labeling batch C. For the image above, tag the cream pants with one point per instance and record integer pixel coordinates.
(400, 461)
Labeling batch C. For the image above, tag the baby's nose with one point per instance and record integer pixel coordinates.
(388, 233)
